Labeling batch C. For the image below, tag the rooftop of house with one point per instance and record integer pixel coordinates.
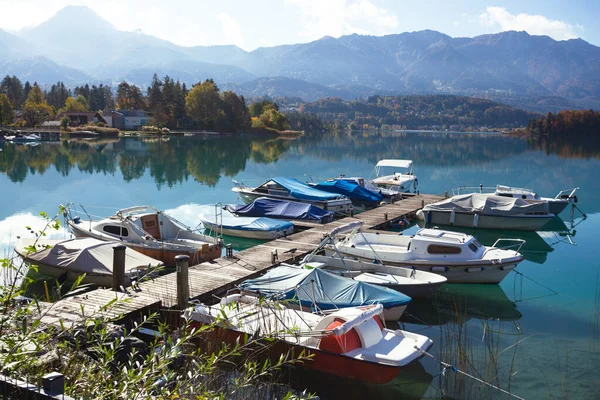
(133, 113)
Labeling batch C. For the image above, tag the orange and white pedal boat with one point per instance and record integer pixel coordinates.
(350, 342)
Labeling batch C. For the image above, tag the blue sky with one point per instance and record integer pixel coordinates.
(255, 23)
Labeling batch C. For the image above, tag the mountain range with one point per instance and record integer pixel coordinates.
(534, 72)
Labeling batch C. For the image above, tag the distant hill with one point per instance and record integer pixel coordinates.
(535, 72)
(418, 112)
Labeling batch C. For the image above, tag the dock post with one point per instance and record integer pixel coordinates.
(183, 284)
(118, 267)
(385, 216)
(422, 203)
(446, 194)
(229, 250)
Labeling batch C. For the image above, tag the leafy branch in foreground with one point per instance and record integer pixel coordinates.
(102, 360)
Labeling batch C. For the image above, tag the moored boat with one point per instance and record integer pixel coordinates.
(487, 211)
(356, 193)
(457, 256)
(349, 342)
(409, 281)
(402, 178)
(292, 189)
(556, 204)
(318, 289)
(281, 209)
(147, 230)
(223, 222)
(92, 257)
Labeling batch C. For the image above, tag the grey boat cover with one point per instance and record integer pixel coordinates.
(317, 288)
(488, 204)
(85, 255)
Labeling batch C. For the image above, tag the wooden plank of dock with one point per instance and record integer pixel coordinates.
(217, 276)
(104, 303)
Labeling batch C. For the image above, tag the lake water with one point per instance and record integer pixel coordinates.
(536, 334)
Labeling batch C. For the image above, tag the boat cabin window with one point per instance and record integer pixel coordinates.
(441, 249)
(115, 230)
(474, 245)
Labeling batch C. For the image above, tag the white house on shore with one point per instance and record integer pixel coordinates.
(127, 119)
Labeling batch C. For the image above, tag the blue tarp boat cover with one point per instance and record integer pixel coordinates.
(233, 222)
(352, 190)
(302, 191)
(273, 208)
(325, 290)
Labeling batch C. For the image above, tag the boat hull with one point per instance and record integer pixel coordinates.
(556, 206)
(526, 223)
(337, 206)
(326, 362)
(476, 271)
(162, 251)
(72, 276)
(250, 234)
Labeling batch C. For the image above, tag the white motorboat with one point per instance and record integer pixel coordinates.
(556, 204)
(349, 342)
(291, 189)
(75, 257)
(27, 138)
(147, 230)
(218, 220)
(477, 210)
(409, 281)
(457, 256)
(401, 179)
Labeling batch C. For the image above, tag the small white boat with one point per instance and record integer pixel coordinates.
(457, 256)
(291, 189)
(147, 230)
(221, 221)
(27, 138)
(401, 179)
(75, 257)
(409, 281)
(349, 342)
(476, 210)
(556, 204)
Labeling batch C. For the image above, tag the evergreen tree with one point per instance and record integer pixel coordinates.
(13, 89)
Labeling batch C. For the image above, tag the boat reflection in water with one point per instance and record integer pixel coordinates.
(411, 383)
(460, 302)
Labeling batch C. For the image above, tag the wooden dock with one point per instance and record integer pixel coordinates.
(218, 276)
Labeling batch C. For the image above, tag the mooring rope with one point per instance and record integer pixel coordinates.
(453, 368)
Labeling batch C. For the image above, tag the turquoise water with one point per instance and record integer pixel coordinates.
(535, 334)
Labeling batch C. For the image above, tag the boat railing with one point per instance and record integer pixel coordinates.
(516, 244)
(473, 189)
(124, 211)
(71, 212)
(240, 185)
(568, 194)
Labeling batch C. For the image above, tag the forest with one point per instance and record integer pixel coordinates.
(584, 123)
(170, 102)
(416, 112)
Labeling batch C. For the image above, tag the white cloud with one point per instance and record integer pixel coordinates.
(532, 24)
(342, 17)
